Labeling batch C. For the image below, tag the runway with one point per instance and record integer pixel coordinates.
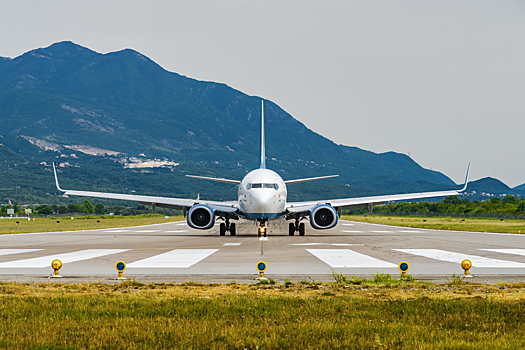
(176, 252)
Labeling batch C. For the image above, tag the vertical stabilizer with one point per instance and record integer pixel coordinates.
(263, 155)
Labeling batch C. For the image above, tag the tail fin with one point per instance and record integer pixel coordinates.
(263, 155)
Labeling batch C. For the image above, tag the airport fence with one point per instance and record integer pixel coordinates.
(453, 215)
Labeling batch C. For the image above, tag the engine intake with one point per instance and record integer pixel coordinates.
(323, 217)
(201, 217)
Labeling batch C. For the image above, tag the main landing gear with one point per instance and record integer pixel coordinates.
(292, 228)
(227, 227)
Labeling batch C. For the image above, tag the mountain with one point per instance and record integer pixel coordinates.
(123, 108)
(519, 188)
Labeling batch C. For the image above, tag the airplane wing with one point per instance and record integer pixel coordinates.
(215, 179)
(162, 202)
(307, 179)
(358, 202)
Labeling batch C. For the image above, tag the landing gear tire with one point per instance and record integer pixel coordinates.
(233, 232)
(301, 229)
(259, 233)
(222, 229)
(291, 229)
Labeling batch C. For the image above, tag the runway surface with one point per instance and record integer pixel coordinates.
(173, 250)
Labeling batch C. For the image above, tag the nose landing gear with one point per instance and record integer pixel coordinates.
(262, 229)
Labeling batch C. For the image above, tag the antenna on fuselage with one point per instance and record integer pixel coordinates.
(263, 156)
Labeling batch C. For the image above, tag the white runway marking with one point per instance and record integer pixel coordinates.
(176, 231)
(16, 251)
(348, 224)
(411, 231)
(347, 258)
(507, 251)
(308, 244)
(383, 231)
(263, 239)
(336, 244)
(45, 261)
(147, 231)
(353, 231)
(477, 261)
(117, 231)
(178, 258)
(232, 244)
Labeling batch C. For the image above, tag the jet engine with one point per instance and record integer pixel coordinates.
(323, 216)
(201, 217)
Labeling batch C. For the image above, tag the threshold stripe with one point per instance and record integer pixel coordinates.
(477, 261)
(347, 258)
(178, 258)
(45, 261)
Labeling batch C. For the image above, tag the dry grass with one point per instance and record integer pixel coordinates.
(163, 316)
(8, 226)
(444, 223)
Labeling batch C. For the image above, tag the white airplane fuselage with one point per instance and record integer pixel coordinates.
(262, 195)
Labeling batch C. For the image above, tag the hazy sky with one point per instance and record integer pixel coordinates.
(443, 80)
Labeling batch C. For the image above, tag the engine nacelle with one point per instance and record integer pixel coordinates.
(201, 217)
(323, 216)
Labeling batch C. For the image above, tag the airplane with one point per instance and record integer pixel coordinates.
(261, 197)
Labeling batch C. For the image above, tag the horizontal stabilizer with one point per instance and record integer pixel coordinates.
(308, 179)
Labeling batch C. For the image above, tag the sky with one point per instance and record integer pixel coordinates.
(441, 81)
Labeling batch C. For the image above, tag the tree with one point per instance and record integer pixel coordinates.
(451, 200)
(99, 208)
(521, 207)
(74, 208)
(44, 210)
(509, 199)
(88, 207)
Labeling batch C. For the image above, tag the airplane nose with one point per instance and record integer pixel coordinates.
(262, 201)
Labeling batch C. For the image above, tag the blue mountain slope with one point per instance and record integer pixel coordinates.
(125, 102)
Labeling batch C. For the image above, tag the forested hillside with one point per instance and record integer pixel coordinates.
(120, 122)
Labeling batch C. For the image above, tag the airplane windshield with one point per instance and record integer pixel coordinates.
(259, 185)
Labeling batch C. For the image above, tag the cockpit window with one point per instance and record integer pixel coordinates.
(259, 185)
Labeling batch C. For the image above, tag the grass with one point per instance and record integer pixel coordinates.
(445, 223)
(8, 226)
(130, 315)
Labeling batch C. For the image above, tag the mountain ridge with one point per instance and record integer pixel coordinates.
(124, 102)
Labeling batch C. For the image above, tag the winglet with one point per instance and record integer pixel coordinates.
(56, 178)
(466, 179)
(263, 155)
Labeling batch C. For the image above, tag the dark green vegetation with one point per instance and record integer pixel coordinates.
(68, 95)
(131, 315)
(456, 205)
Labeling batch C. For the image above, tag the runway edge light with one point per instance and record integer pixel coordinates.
(403, 267)
(466, 265)
(261, 267)
(56, 265)
(120, 266)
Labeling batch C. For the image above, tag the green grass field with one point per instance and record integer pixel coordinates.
(8, 226)
(445, 223)
(356, 314)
